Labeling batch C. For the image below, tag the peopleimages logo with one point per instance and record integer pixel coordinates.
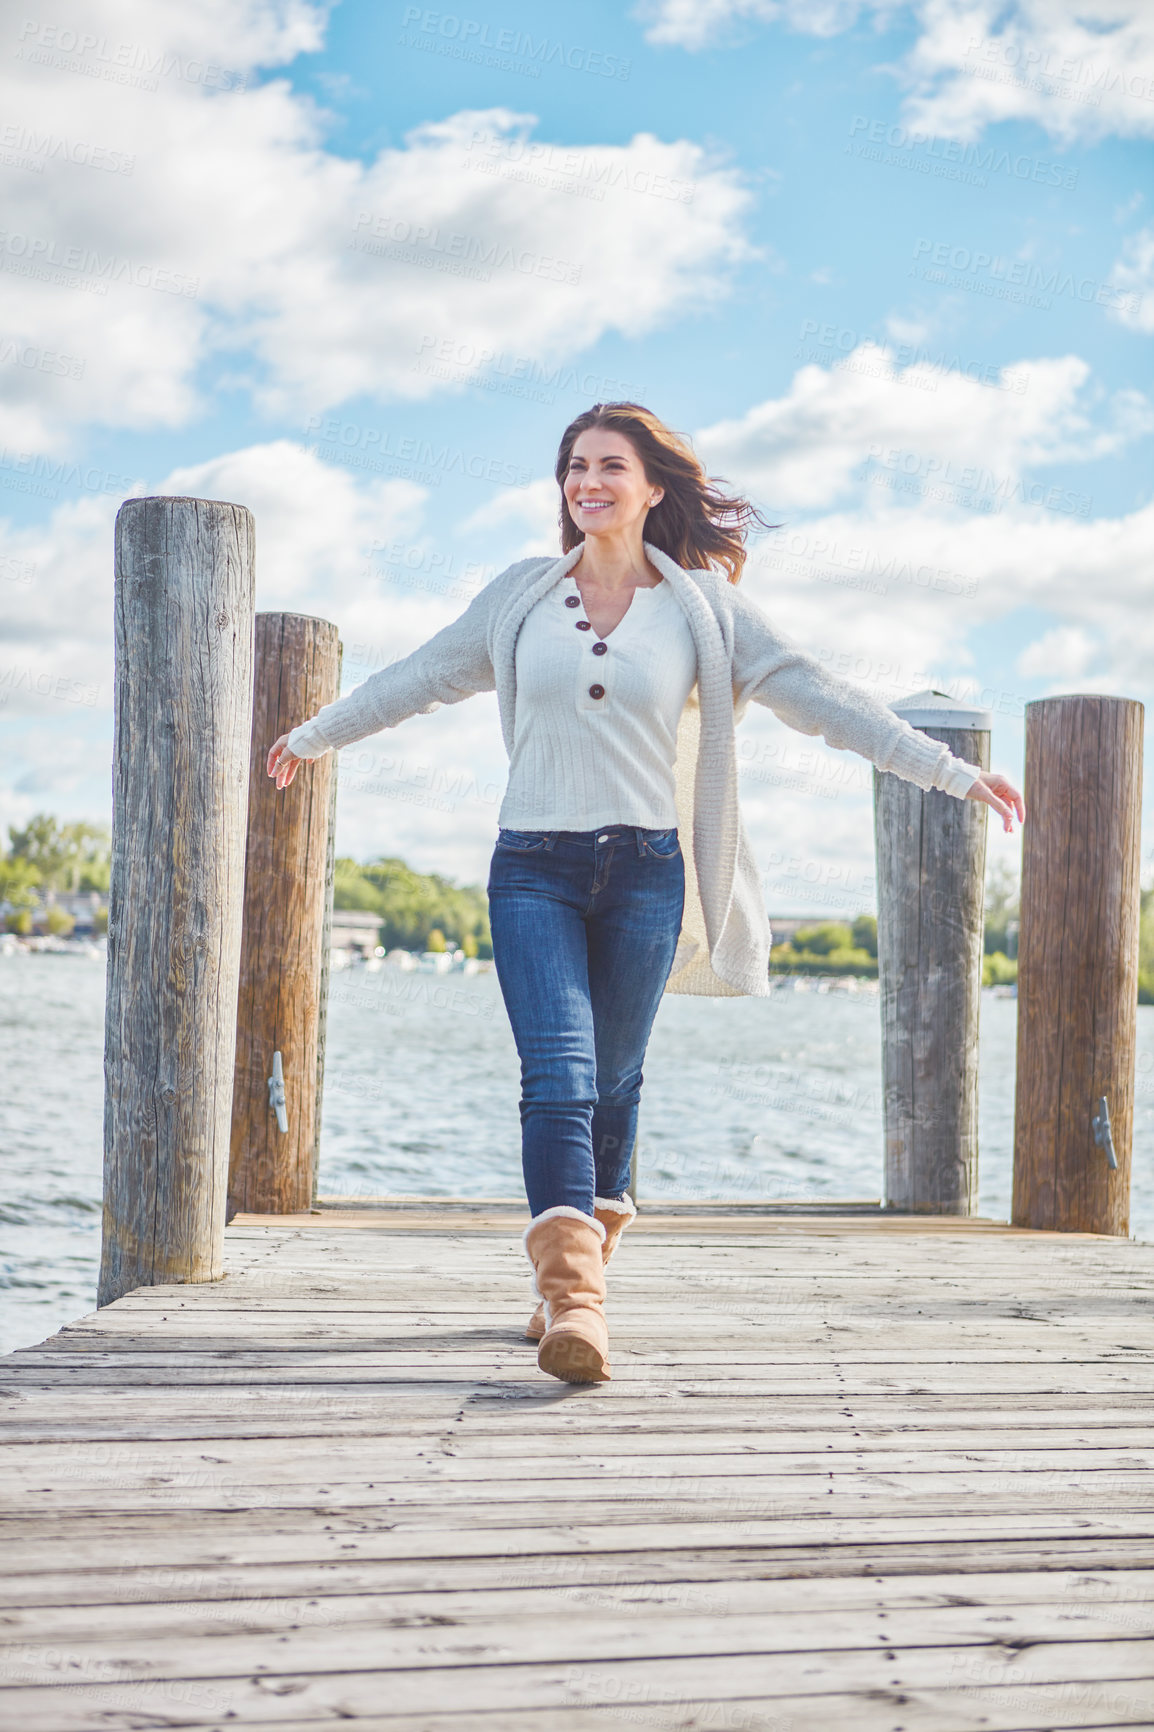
(943, 154)
(474, 39)
(430, 245)
(986, 273)
(370, 445)
(38, 360)
(131, 63)
(51, 146)
(37, 253)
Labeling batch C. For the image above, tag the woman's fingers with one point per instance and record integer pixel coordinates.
(282, 763)
(1006, 791)
(984, 789)
(1004, 812)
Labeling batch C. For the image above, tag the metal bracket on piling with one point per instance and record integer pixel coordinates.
(1101, 1128)
(276, 1096)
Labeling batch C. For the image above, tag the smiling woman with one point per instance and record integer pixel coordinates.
(620, 670)
(618, 460)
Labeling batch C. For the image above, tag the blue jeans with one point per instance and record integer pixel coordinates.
(584, 924)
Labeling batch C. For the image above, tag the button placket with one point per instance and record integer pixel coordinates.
(596, 691)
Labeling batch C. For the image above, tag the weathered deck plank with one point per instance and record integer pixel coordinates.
(859, 1472)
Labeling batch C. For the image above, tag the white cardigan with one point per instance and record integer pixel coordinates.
(723, 948)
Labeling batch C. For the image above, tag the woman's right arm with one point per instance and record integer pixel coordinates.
(452, 665)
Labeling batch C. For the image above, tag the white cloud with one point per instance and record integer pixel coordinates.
(933, 428)
(910, 585)
(151, 233)
(568, 267)
(429, 793)
(1082, 69)
(1063, 654)
(314, 521)
(1133, 272)
(533, 510)
(695, 24)
(169, 42)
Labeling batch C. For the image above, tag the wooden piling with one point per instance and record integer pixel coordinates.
(1078, 963)
(931, 859)
(184, 595)
(287, 903)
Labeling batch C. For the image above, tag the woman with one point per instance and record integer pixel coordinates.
(620, 671)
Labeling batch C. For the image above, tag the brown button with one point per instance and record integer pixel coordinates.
(596, 691)
(600, 648)
(572, 601)
(583, 625)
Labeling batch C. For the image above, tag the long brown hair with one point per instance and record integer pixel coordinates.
(694, 522)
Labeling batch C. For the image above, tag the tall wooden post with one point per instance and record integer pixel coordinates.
(287, 898)
(183, 711)
(931, 864)
(1078, 964)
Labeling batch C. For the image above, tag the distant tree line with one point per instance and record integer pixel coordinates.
(844, 947)
(47, 858)
(829, 947)
(425, 911)
(417, 911)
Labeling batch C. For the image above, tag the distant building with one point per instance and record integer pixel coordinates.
(83, 906)
(354, 929)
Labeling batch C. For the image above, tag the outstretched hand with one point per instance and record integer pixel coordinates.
(282, 763)
(1000, 793)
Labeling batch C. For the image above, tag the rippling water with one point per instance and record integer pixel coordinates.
(743, 1097)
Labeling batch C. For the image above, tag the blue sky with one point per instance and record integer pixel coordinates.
(891, 268)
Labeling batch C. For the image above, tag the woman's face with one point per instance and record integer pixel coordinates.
(605, 487)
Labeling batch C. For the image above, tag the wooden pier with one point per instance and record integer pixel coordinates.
(854, 1471)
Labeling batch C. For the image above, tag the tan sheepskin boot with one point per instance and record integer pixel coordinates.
(614, 1216)
(564, 1247)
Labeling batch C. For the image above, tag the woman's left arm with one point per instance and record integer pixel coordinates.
(771, 670)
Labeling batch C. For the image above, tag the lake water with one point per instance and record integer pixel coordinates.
(743, 1098)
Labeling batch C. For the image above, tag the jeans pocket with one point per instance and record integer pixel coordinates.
(663, 844)
(522, 841)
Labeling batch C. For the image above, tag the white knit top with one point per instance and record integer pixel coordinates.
(595, 740)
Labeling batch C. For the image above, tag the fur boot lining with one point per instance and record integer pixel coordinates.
(616, 1205)
(550, 1215)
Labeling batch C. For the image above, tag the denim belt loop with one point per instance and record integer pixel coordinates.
(550, 838)
(638, 837)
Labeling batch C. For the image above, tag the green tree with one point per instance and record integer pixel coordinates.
(1001, 909)
(829, 947)
(823, 938)
(412, 905)
(352, 890)
(998, 969)
(436, 940)
(59, 923)
(18, 882)
(1146, 949)
(865, 933)
(68, 857)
